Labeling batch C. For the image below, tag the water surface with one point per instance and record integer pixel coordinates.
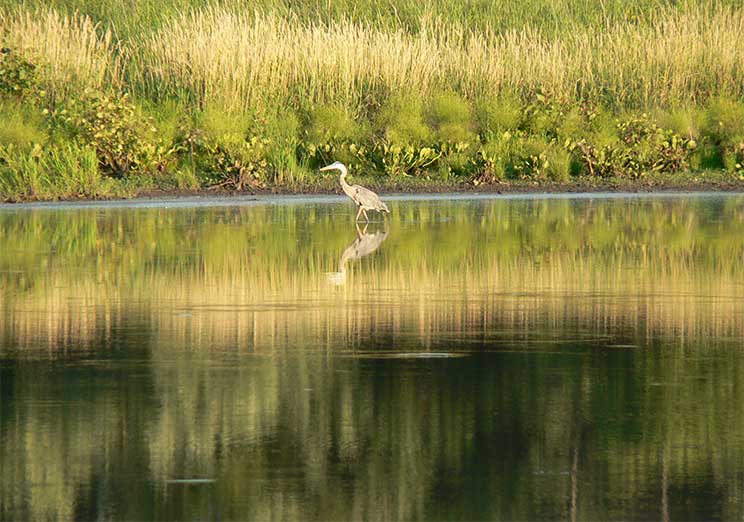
(472, 358)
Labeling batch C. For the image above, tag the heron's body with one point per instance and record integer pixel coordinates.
(364, 198)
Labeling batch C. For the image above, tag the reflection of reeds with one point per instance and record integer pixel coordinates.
(264, 295)
(197, 290)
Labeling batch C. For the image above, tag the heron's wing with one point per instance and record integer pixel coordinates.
(367, 198)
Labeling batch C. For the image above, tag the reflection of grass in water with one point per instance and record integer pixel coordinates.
(521, 269)
(332, 421)
(515, 266)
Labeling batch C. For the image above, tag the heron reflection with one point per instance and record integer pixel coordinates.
(363, 245)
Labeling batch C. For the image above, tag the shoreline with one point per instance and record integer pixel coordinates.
(512, 187)
(207, 197)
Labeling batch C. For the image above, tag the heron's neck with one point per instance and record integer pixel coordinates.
(343, 180)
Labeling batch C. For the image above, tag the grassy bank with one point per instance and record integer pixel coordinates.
(99, 100)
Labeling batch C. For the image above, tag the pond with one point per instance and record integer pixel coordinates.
(530, 357)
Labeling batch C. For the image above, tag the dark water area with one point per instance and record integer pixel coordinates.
(519, 358)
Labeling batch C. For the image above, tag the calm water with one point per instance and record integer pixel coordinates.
(505, 358)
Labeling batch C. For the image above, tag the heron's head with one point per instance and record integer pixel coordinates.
(336, 165)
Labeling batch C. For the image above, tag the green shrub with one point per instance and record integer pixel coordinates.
(72, 171)
(403, 142)
(21, 125)
(125, 142)
(401, 121)
(724, 130)
(21, 174)
(543, 116)
(559, 163)
(283, 128)
(18, 76)
(329, 123)
(450, 117)
(409, 159)
(496, 115)
(226, 161)
(530, 159)
(636, 146)
(332, 134)
(59, 171)
(494, 158)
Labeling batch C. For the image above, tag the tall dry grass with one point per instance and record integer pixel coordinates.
(679, 56)
(73, 51)
(247, 57)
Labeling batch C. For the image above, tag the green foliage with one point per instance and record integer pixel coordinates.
(21, 125)
(333, 123)
(21, 174)
(404, 145)
(396, 160)
(559, 163)
(73, 171)
(62, 171)
(125, 142)
(450, 117)
(494, 159)
(282, 127)
(531, 158)
(332, 134)
(636, 147)
(228, 161)
(401, 121)
(724, 130)
(497, 115)
(18, 76)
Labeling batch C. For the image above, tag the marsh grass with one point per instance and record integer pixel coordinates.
(20, 125)
(73, 51)
(65, 170)
(249, 95)
(249, 57)
(640, 55)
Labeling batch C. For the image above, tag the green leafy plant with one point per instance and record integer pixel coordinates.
(124, 141)
(18, 76)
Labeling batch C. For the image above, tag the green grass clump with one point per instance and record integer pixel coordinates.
(450, 116)
(498, 114)
(401, 120)
(21, 126)
(62, 171)
(724, 132)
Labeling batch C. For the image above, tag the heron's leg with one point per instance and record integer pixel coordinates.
(365, 214)
(358, 214)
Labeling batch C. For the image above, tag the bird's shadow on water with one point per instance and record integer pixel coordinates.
(363, 245)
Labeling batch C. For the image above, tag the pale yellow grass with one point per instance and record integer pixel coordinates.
(73, 51)
(244, 58)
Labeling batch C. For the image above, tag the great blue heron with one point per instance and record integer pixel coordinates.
(364, 198)
(362, 246)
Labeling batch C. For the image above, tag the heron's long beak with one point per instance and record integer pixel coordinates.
(328, 167)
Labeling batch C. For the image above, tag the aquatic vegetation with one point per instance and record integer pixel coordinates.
(223, 96)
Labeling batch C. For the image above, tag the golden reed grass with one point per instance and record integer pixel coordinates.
(243, 58)
(73, 51)
(680, 56)
(266, 310)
